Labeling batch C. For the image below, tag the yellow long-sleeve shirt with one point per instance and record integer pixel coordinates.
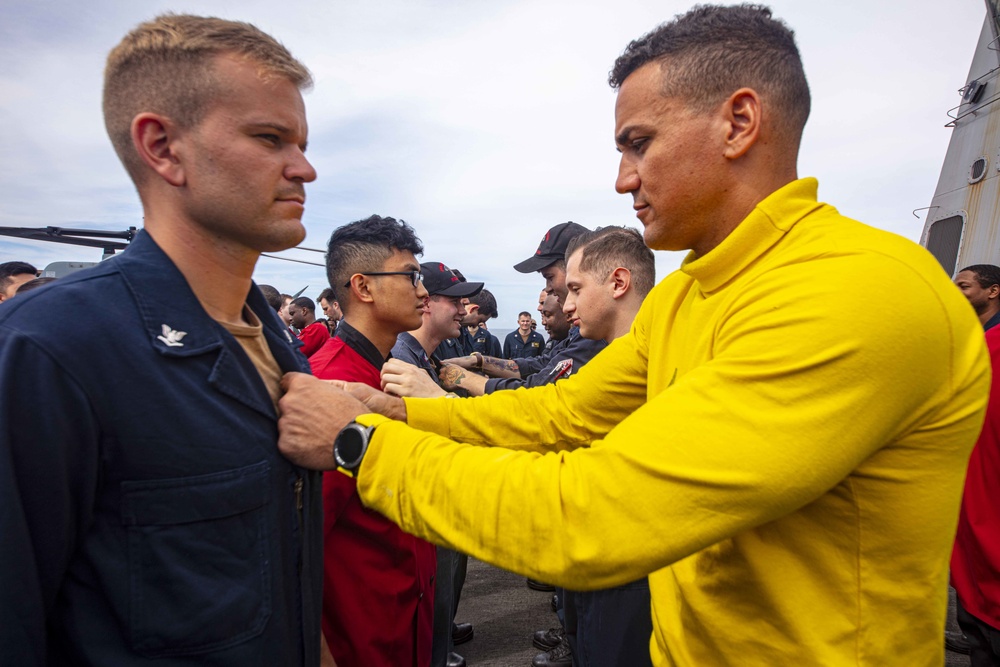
(779, 442)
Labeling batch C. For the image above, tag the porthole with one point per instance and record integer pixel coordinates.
(978, 169)
(944, 240)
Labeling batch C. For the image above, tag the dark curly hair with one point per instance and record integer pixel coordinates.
(714, 50)
(987, 275)
(364, 245)
(10, 269)
(487, 303)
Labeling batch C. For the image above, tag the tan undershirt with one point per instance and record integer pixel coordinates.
(251, 339)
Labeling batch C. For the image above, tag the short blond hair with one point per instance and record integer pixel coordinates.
(166, 66)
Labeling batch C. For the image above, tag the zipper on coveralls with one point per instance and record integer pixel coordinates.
(298, 498)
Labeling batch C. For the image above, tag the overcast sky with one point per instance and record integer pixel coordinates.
(480, 123)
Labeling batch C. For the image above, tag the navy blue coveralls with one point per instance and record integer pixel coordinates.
(486, 343)
(515, 347)
(147, 515)
(455, 347)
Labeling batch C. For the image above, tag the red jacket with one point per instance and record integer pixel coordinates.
(975, 560)
(378, 582)
(313, 337)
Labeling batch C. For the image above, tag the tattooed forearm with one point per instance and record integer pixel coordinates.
(455, 377)
(500, 368)
(451, 376)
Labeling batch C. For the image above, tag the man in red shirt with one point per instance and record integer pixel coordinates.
(302, 313)
(975, 560)
(378, 582)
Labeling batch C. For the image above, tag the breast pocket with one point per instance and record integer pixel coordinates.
(198, 560)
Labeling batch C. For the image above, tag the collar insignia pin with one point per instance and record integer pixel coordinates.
(172, 338)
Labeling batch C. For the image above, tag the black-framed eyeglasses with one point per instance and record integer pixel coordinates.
(415, 276)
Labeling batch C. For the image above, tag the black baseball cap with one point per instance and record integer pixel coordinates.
(439, 279)
(552, 248)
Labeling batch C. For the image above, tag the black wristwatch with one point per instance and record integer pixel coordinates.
(350, 446)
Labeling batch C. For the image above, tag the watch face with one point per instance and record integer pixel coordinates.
(350, 446)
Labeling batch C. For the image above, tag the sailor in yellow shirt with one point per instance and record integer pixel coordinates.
(780, 441)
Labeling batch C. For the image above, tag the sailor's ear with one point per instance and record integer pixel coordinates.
(155, 138)
(361, 288)
(742, 113)
(621, 281)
